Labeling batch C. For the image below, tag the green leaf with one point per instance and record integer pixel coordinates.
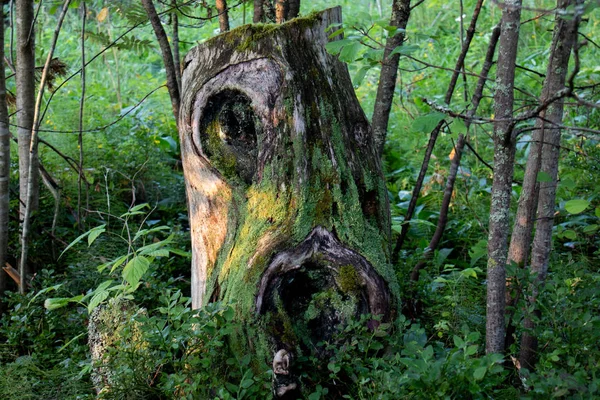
(576, 206)
(544, 177)
(45, 290)
(404, 49)
(145, 232)
(348, 53)
(246, 383)
(135, 268)
(458, 342)
(478, 251)
(136, 210)
(360, 75)
(80, 238)
(55, 303)
(598, 212)
(94, 233)
(570, 234)
(426, 123)
(158, 253)
(591, 228)
(458, 126)
(98, 298)
(335, 47)
(479, 373)
(472, 349)
(336, 33)
(118, 262)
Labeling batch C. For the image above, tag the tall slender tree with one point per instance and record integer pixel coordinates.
(4, 168)
(389, 73)
(504, 160)
(25, 78)
(167, 56)
(32, 187)
(548, 135)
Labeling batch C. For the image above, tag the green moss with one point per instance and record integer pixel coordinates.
(221, 158)
(348, 279)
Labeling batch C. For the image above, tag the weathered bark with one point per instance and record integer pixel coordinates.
(504, 155)
(288, 208)
(223, 15)
(167, 56)
(259, 12)
(32, 187)
(389, 73)
(281, 11)
(4, 169)
(435, 132)
(175, 39)
(564, 38)
(25, 79)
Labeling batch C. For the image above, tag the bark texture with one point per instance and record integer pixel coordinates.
(389, 73)
(504, 160)
(259, 12)
(25, 78)
(281, 7)
(223, 15)
(563, 40)
(287, 202)
(4, 169)
(167, 56)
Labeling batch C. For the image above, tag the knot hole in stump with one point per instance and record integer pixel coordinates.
(229, 131)
(310, 304)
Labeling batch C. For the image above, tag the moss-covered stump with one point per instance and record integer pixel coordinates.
(287, 202)
(105, 329)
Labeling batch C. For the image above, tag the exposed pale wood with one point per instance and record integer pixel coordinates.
(284, 184)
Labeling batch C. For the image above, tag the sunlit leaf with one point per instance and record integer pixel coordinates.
(102, 14)
(135, 268)
(576, 206)
(426, 123)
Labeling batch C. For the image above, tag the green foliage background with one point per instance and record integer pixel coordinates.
(134, 159)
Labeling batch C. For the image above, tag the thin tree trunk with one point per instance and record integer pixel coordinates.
(175, 38)
(564, 38)
(280, 11)
(25, 79)
(4, 169)
(458, 148)
(259, 12)
(293, 9)
(434, 134)
(32, 189)
(81, 106)
(504, 154)
(223, 15)
(389, 73)
(167, 56)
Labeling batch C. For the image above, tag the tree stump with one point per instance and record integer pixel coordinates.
(288, 207)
